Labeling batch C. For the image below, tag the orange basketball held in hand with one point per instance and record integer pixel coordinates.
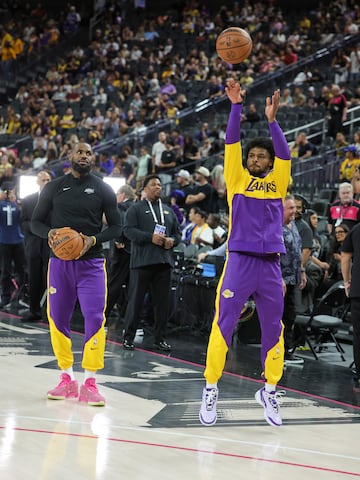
(233, 45)
(68, 244)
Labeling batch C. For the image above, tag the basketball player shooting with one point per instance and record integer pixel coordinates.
(252, 268)
(79, 201)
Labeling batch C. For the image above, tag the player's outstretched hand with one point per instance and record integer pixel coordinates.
(233, 90)
(272, 106)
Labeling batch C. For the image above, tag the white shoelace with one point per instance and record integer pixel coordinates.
(275, 399)
(210, 399)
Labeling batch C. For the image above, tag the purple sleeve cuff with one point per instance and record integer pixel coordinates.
(233, 126)
(279, 141)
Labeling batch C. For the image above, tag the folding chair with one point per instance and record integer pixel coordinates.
(324, 321)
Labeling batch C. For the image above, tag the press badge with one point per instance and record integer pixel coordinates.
(160, 229)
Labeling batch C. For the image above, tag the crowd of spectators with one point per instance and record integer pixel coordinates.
(133, 74)
(30, 31)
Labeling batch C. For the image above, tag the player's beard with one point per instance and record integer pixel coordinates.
(258, 173)
(82, 169)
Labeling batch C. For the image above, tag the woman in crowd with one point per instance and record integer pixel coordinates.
(318, 266)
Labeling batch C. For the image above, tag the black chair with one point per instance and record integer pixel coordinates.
(318, 329)
(321, 207)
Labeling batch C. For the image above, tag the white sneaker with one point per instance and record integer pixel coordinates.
(271, 407)
(291, 359)
(207, 414)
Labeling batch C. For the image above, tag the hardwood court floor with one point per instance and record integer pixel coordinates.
(149, 428)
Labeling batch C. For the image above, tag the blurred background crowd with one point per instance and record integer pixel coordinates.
(142, 83)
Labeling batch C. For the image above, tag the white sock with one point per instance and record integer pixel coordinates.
(89, 374)
(270, 388)
(70, 372)
(211, 385)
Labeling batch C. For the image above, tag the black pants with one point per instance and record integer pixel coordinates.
(289, 316)
(37, 269)
(11, 253)
(156, 279)
(355, 318)
(119, 272)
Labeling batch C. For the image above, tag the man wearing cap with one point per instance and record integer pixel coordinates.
(183, 178)
(203, 191)
(349, 164)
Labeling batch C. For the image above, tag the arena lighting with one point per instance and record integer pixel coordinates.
(115, 182)
(202, 105)
(28, 185)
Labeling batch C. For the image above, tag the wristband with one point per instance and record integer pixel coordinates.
(94, 240)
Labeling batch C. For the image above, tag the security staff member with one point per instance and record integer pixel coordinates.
(36, 251)
(119, 264)
(153, 230)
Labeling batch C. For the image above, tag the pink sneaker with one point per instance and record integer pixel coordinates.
(90, 394)
(67, 388)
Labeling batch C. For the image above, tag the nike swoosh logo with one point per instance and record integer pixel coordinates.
(66, 188)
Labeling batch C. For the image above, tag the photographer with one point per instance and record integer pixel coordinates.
(11, 243)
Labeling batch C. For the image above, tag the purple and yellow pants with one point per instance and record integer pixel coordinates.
(244, 276)
(85, 281)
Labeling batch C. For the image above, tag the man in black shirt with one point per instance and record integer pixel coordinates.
(36, 251)
(305, 148)
(119, 264)
(166, 165)
(78, 200)
(350, 269)
(183, 179)
(153, 230)
(203, 191)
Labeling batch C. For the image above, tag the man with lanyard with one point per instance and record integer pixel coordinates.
(153, 230)
(344, 210)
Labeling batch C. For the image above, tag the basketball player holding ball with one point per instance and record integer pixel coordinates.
(78, 200)
(255, 242)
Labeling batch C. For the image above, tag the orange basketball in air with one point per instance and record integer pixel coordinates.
(68, 244)
(234, 45)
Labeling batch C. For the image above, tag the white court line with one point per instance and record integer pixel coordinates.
(189, 435)
(28, 331)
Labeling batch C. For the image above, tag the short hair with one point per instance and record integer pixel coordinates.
(199, 211)
(48, 172)
(128, 191)
(299, 197)
(261, 142)
(345, 185)
(304, 202)
(150, 177)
